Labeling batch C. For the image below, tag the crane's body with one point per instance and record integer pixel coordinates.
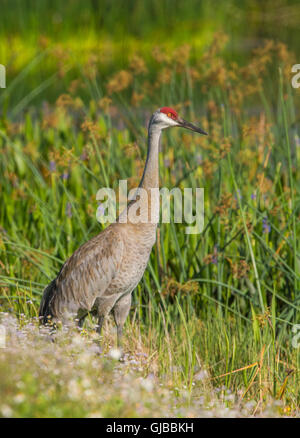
(102, 273)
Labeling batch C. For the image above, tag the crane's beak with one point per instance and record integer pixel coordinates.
(184, 124)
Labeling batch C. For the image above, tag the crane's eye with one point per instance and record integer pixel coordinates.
(171, 115)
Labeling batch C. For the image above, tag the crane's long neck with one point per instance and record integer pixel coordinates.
(148, 206)
(150, 178)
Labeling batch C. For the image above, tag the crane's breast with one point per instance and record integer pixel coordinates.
(137, 249)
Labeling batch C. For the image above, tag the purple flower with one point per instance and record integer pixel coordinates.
(266, 225)
(253, 196)
(238, 195)
(84, 156)
(199, 159)
(65, 175)
(69, 209)
(100, 211)
(52, 166)
(167, 162)
(214, 259)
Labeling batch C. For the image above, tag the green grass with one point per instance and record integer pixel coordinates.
(215, 311)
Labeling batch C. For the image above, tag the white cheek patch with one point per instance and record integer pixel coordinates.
(167, 121)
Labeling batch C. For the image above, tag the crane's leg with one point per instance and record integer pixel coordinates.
(101, 308)
(120, 312)
(81, 320)
(100, 324)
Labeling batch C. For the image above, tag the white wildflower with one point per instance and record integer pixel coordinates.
(19, 398)
(147, 384)
(77, 340)
(6, 411)
(115, 353)
(86, 383)
(201, 375)
(74, 389)
(95, 415)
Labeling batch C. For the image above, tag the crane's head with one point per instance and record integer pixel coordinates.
(166, 117)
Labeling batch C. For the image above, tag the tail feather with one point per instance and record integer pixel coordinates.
(45, 312)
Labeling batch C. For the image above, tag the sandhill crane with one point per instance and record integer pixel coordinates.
(102, 273)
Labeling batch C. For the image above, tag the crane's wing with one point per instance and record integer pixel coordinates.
(85, 275)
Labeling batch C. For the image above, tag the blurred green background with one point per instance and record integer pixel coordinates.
(30, 30)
